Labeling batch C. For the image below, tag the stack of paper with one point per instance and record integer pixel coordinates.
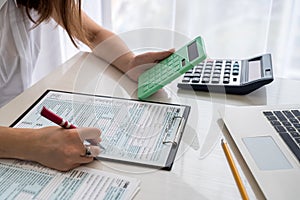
(26, 180)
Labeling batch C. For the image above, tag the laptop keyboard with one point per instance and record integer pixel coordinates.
(287, 124)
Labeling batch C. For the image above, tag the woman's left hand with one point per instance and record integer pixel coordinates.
(142, 62)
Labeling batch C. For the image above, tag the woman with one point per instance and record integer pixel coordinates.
(54, 147)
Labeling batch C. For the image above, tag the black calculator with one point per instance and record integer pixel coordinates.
(232, 76)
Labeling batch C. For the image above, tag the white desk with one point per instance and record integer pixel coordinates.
(200, 170)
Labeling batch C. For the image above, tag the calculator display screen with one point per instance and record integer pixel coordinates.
(254, 70)
(192, 51)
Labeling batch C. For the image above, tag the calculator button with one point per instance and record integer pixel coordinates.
(217, 71)
(216, 75)
(197, 75)
(188, 74)
(196, 80)
(208, 67)
(205, 80)
(207, 71)
(218, 68)
(198, 71)
(198, 68)
(227, 71)
(226, 75)
(235, 72)
(215, 80)
(183, 62)
(186, 79)
(226, 80)
(206, 75)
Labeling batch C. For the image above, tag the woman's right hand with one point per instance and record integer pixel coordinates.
(63, 149)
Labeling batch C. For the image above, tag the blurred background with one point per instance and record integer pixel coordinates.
(231, 29)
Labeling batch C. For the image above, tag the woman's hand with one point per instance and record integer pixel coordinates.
(54, 147)
(62, 149)
(142, 62)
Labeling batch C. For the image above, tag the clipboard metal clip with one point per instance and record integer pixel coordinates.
(178, 132)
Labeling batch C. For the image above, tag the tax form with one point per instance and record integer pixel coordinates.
(26, 180)
(139, 132)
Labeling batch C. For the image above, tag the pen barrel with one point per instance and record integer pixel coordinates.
(56, 119)
(66, 124)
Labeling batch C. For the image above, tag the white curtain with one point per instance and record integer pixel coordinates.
(231, 29)
(284, 38)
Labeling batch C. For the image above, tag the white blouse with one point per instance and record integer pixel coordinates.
(19, 50)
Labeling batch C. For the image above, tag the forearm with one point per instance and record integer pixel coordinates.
(107, 45)
(112, 49)
(17, 143)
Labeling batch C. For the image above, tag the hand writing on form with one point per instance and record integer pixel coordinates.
(63, 149)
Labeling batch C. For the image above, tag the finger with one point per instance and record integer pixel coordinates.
(90, 151)
(95, 141)
(89, 133)
(85, 160)
(95, 151)
(162, 54)
(152, 57)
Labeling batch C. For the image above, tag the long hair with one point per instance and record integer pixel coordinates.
(66, 12)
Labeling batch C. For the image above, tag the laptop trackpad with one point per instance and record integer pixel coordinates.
(266, 153)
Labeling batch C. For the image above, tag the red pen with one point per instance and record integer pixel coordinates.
(56, 119)
(48, 114)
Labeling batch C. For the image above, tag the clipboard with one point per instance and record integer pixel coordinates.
(135, 132)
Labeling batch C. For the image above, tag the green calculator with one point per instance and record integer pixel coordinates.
(171, 68)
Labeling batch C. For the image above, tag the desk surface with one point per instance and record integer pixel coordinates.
(200, 170)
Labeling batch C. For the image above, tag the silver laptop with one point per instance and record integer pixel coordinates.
(268, 137)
